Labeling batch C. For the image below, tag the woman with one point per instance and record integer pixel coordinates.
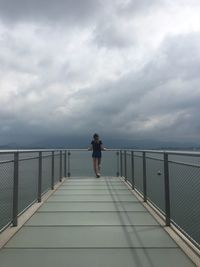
(96, 146)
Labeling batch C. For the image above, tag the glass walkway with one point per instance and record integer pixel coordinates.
(92, 222)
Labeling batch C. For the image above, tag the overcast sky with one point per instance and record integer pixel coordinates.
(123, 68)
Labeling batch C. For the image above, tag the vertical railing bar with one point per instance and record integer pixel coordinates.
(121, 164)
(132, 169)
(125, 165)
(144, 178)
(167, 190)
(60, 166)
(117, 163)
(40, 178)
(15, 189)
(68, 158)
(52, 171)
(65, 163)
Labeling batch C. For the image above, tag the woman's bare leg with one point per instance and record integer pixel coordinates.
(99, 165)
(95, 166)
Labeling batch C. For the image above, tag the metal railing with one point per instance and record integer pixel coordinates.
(170, 181)
(25, 175)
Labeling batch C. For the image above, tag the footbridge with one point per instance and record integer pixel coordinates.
(54, 212)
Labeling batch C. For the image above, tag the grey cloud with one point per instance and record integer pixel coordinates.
(166, 88)
(177, 57)
(89, 13)
(159, 101)
(138, 7)
(49, 10)
(111, 35)
(16, 55)
(126, 105)
(112, 32)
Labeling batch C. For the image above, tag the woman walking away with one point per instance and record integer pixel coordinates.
(97, 147)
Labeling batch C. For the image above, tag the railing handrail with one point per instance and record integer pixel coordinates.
(10, 151)
(169, 152)
(156, 151)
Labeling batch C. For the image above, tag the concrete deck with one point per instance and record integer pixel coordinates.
(92, 222)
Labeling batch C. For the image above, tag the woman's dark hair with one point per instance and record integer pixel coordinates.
(95, 136)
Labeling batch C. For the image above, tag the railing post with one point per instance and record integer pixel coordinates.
(117, 163)
(132, 169)
(144, 177)
(15, 188)
(121, 164)
(40, 178)
(60, 166)
(65, 164)
(167, 190)
(68, 158)
(52, 170)
(125, 166)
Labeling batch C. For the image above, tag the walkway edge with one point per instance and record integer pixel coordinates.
(8, 233)
(187, 247)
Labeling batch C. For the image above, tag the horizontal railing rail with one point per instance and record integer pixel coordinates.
(169, 180)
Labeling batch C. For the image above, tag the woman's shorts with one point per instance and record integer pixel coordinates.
(96, 154)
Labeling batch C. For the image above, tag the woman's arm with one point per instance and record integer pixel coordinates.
(90, 148)
(103, 148)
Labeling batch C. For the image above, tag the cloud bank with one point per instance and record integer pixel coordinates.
(128, 69)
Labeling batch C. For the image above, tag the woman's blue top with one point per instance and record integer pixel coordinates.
(96, 146)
